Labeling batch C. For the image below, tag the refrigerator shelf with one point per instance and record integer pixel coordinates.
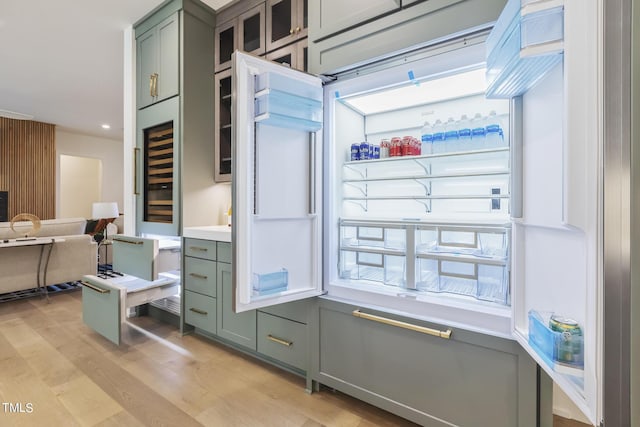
(429, 177)
(475, 154)
(449, 197)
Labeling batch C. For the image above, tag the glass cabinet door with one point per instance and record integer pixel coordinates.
(157, 175)
(225, 44)
(223, 126)
(286, 22)
(251, 31)
(293, 55)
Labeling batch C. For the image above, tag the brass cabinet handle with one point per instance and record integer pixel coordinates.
(198, 248)
(151, 84)
(94, 288)
(297, 30)
(195, 310)
(155, 85)
(424, 330)
(198, 276)
(128, 241)
(279, 341)
(291, 31)
(136, 153)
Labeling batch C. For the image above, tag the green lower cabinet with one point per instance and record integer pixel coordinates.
(283, 339)
(200, 311)
(471, 379)
(239, 328)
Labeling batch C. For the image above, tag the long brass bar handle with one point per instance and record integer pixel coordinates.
(127, 241)
(198, 276)
(136, 153)
(198, 248)
(151, 84)
(95, 288)
(195, 310)
(279, 341)
(424, 330)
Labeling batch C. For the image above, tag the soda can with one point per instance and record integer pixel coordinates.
(355, 152)
(407, 146)
(385, 145)
(376, 152)
(396, 147)
(364, 151)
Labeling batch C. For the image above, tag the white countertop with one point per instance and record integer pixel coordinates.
(220, 233)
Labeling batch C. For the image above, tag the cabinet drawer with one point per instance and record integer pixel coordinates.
(205, 249)
(200, 276)
(224, 252)
(295, 310)
(200, 311)
(283, 340)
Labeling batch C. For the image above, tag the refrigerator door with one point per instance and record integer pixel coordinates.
(277, 183)
(557, 227)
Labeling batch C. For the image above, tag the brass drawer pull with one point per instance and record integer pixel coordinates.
(95, 288)
(198, 276)
(279, 341)
(195, 310)
(128, 241)
(424, 330)
(198, 248)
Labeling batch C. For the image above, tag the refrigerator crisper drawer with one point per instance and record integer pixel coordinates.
(485, 280)
(373, 236)
(484, 242)
(385, 268)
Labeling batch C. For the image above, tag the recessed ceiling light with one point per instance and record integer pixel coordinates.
(106, 126)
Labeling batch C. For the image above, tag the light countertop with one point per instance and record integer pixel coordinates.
(220, 233)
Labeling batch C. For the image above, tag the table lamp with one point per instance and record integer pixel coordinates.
(105, 211)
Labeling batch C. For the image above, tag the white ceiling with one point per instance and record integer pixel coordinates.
(61, 61)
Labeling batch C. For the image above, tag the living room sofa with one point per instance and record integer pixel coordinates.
(71, 259)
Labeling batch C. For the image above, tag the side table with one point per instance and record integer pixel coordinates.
(46, 244)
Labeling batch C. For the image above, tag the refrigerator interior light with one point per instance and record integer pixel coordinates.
(425, 92)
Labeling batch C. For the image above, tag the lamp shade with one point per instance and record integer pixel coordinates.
(105, 210)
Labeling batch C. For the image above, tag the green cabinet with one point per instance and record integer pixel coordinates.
(286, 22)
(239, 328)
(157, 64)
(361, 31)
(467, 379)
(328, 17)
(244, 31)
(174, 60)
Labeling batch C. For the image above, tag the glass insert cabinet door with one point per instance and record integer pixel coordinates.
(157, 169)
(286, 22)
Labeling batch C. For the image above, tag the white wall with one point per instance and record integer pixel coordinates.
(80, 184)
(108, 151)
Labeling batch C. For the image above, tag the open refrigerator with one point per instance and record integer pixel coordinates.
(490, 237)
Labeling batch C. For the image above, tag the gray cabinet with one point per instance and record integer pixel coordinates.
(174, 126)
(222, 124)
(157, 64)
(328, 17)
(237, 327)
(200, 284)
(293, 55)
(244, 32)
(286, 22)
(345, 43)
(469, 379)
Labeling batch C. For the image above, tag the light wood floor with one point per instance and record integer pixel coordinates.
(63, 374)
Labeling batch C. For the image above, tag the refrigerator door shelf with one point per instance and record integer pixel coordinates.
(521, 52)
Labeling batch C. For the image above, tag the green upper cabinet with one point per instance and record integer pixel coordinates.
(328, 17)
(175, 109)
(343, 35)
(286, 22)
(158, 62)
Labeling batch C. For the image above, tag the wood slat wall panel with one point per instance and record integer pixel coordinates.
(28, 167)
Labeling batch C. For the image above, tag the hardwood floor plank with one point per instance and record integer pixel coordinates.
(73, 376)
